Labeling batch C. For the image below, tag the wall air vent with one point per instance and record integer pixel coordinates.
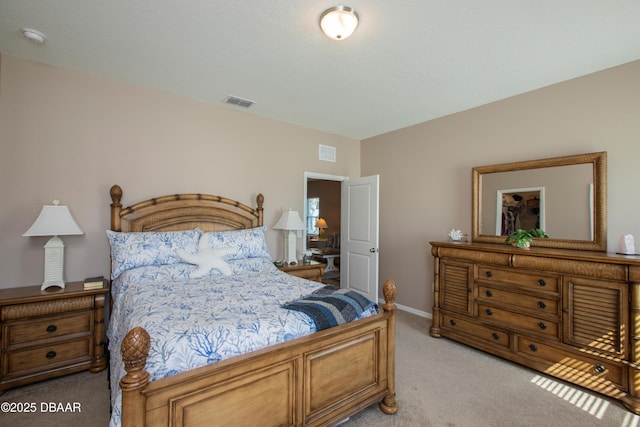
(327, 153)
(240, 102)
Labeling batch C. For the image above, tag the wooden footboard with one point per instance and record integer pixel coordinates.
(315, 380)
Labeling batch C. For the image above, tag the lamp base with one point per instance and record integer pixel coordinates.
(46, 285)
(53, 263)
(290, 247)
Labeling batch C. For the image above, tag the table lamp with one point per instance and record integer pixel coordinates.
(290, 222)
(54, 220)
(321, 225)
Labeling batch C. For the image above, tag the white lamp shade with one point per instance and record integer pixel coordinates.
(290, 220)
(339, 22)
(54, 220)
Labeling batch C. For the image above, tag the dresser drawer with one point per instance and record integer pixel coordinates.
(47, 356)
(516, 320)
(486, 333)
(30, 331)
(527, 280)
(581, 369)
(538, 304)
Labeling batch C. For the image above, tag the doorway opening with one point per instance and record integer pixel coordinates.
(322, 195)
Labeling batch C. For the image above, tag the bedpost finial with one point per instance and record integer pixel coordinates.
(260, 209)
(116, 193)
(389, 290)
(135, 349)
(116, 206)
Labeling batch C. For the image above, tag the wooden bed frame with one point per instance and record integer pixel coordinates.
(316, 380)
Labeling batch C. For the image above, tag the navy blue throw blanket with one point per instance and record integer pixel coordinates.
(331, 306)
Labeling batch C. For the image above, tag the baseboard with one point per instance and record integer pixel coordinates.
(410, 310)
(414, 311)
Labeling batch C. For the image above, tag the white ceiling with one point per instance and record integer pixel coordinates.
(407, 62)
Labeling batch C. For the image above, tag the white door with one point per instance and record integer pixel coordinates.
(359, 235)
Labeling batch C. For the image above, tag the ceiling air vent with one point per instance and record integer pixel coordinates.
(327, 153)
(240, 102)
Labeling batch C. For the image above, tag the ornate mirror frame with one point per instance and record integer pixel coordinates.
(599, 162)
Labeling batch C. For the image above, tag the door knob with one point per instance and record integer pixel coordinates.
(372, 250)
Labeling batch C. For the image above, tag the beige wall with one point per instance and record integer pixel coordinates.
(425, 170)
(70, 136)
(62, 131)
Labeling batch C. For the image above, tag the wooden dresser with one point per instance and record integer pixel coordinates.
(45, 334)
(571, 314)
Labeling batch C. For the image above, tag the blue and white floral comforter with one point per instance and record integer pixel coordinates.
(194, 322)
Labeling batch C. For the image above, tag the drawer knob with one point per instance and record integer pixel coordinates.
(489, 312)
(51, 328)
(541, 282)
(488, 274)
(488, 293)
(495, 336)
(533, 347)
(452, 322)
(541, 304)
(599, 368)
(542, 326)
(50, 354)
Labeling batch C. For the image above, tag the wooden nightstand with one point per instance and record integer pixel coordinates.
(312, 271)
(46, 334)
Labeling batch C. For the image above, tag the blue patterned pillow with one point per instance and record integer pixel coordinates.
(247, 243)
(131, 250)
(252, 265)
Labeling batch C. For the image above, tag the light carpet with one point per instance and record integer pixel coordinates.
(439, 383)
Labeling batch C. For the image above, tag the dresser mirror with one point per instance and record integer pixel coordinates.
(564, 196)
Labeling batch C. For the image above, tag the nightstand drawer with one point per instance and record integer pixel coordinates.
(45, 307)
(50, 333)
(29, 331)
(313, 274)
(45, 357)
(311, 271)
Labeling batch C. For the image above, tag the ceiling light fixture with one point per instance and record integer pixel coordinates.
(34, 35)
(339, 22)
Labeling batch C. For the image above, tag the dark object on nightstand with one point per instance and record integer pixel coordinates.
(94, 282)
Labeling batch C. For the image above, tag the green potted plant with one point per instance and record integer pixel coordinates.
(522, 239)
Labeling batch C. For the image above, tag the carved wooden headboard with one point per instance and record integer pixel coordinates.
(184, 212)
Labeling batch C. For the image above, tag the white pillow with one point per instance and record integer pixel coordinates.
(206, 259)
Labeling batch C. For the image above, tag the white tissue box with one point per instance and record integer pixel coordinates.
(627, 245)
